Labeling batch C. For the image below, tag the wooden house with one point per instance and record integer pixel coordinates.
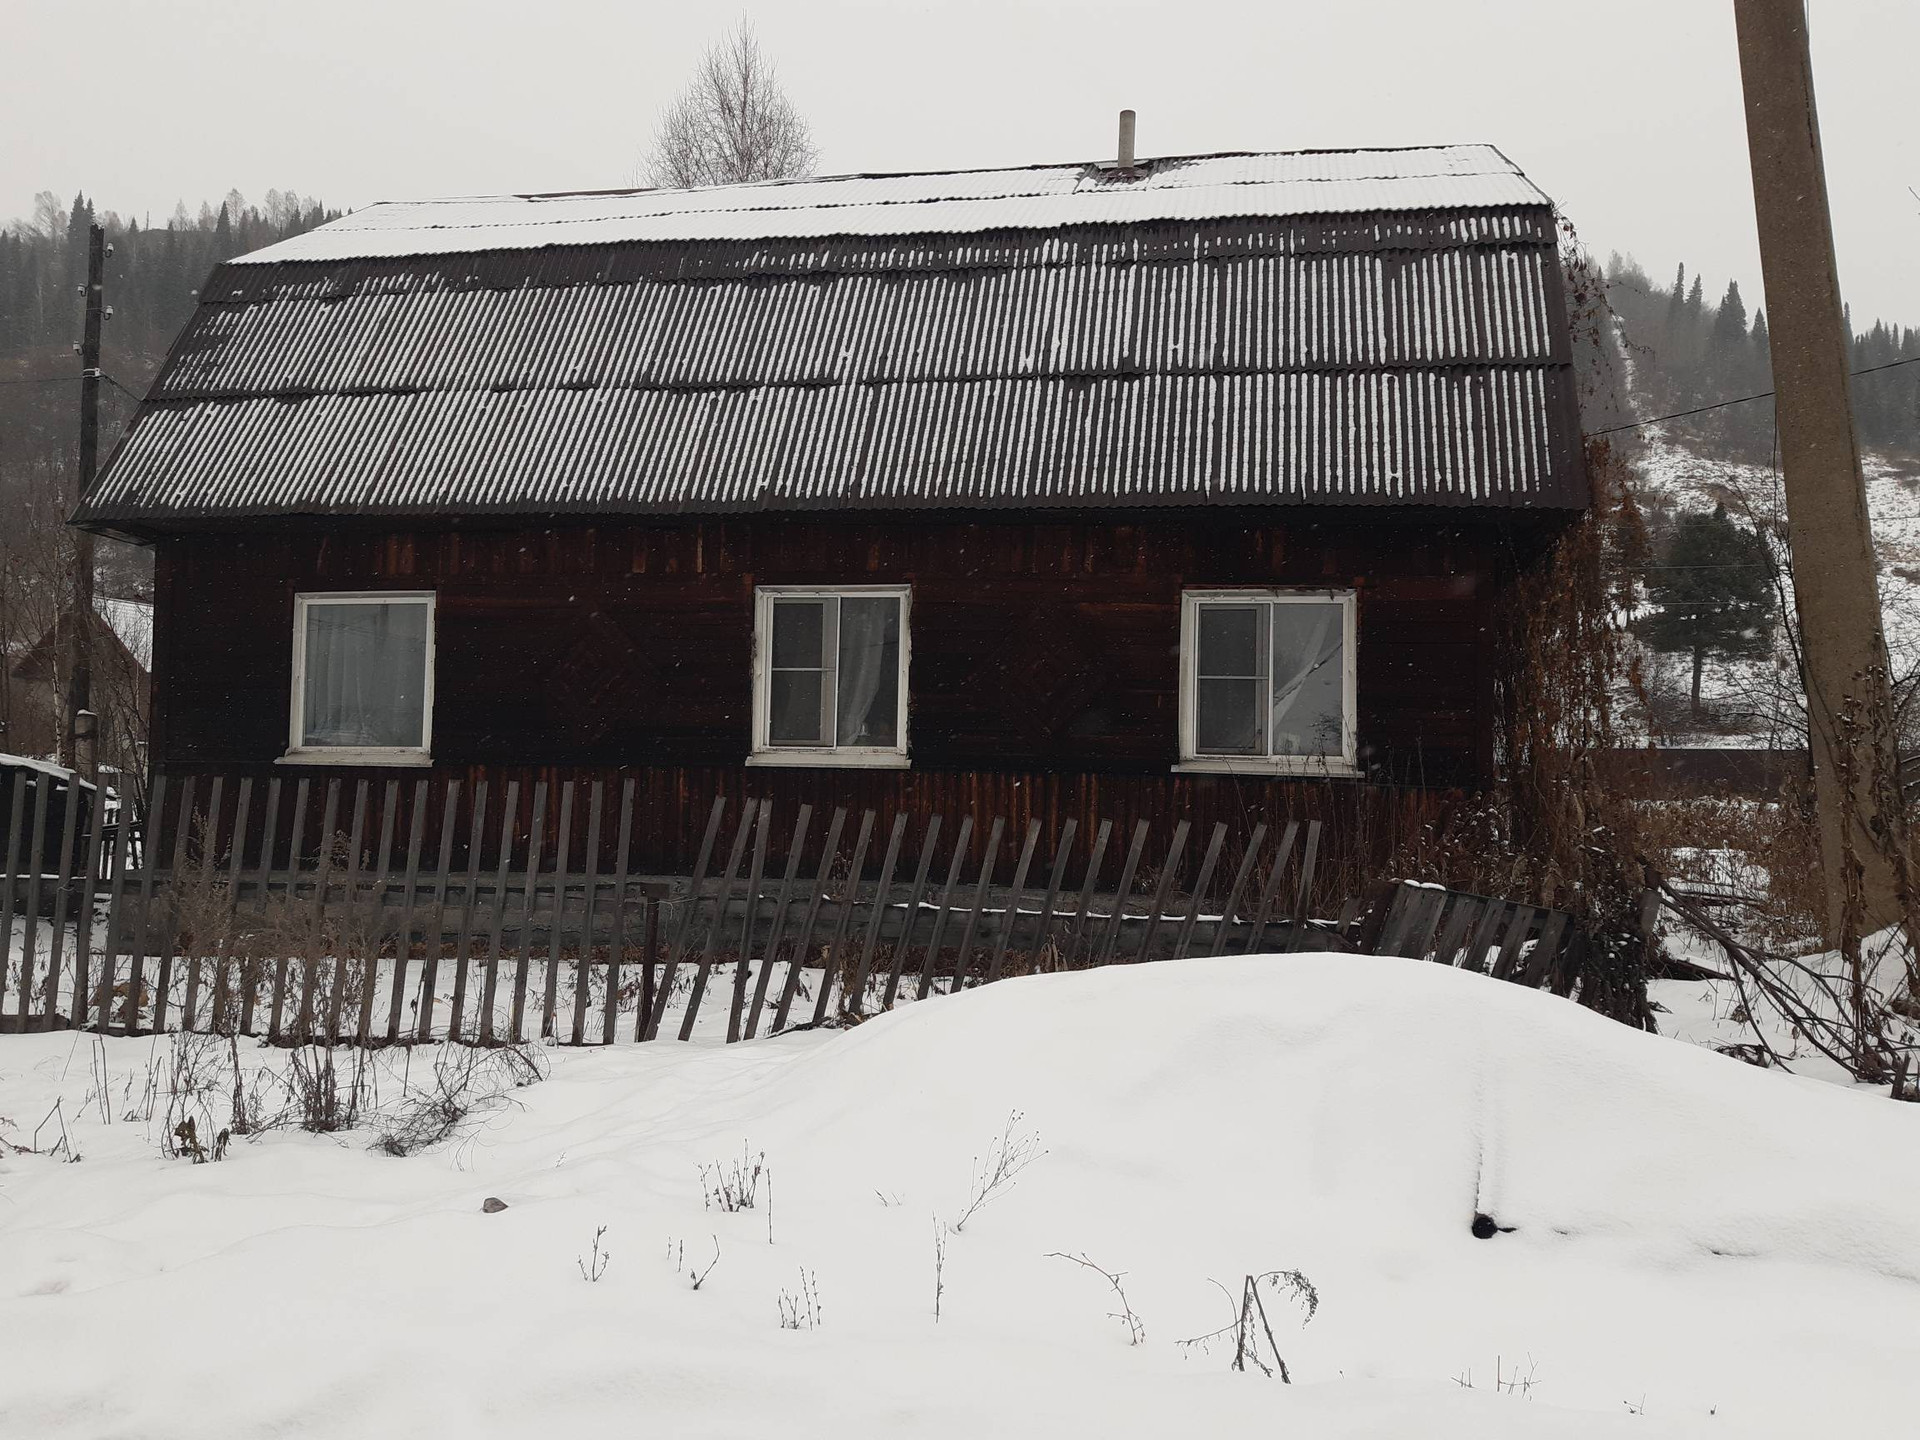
(1185, 487)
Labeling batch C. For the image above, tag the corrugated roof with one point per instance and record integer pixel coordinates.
(1211, 187)
(1382, 356)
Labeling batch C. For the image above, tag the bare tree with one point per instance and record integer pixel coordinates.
(733, 123)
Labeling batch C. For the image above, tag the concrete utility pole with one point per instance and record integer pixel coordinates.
(1836, 592)
(81, 724)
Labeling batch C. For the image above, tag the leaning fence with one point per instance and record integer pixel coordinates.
(317, 909)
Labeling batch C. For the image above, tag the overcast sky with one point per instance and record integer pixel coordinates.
(1627, 112)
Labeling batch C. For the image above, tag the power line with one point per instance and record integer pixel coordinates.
(1723, 404)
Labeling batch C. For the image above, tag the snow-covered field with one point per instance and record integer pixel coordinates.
(1697, 1247)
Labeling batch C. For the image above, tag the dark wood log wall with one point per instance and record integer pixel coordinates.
(1044, 651)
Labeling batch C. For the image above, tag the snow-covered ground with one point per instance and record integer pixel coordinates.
(1697, 1247)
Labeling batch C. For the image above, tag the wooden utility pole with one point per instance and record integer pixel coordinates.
(80, 718)
(1837, 595)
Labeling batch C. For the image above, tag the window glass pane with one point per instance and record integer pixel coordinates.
(1229, 640)
(1308, 677)
(366, 672)
(797, 630)
(793, 702)
(869, 670)
(1227, 717)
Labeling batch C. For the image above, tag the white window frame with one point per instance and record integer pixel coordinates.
(298, 751)
(879, 757)
(1191, 760)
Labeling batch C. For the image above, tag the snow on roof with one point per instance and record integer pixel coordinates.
(132, 621)
(1309, 182)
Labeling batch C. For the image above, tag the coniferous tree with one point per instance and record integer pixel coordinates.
(1713, 594)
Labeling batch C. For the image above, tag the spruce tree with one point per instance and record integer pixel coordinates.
(1713, 595)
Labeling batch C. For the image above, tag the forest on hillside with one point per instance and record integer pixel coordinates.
(1684, 352)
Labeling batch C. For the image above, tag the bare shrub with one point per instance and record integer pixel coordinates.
(1011, 1152)
(733, 1185)
(1135, 1327)
(1240, 1330)
(593, 1266)
(466, 1082)
(801, 1311)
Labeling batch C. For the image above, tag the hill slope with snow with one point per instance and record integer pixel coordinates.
(1696, 1247)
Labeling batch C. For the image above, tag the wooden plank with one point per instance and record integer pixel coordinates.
(988, 861)
(222, 1005)
(1393, 930)
(117, 886)
(316, 920)
(778, 920)
(1055, 876)
(932, 956)
(536, 838)
(349, 931)
(489, 989)
(63, 879)
(915, 895)
(409, 896)
(1484, 933)
(182, 828)
(209, 860)
(683, 932)
(1121, 891)
(16, 809)
(617, 940)
(1157, 909)
(855, 1000)
(844, 919)
(374, 927)
(1298, 934)
(1270, 892)
(736, 1009)
(1539, 962)
(1090, 882)
(563, 854)
(1010, 917)
(752, 816)
(470, 902)
(250, 995)
(1237, 891)
(42, 789)
(1184, 937)
(1515, 937)
(803, 941)
(442, 884)
(143, 906)
(296, 842)
(86, 922)
(590, 900)
(1466, 909)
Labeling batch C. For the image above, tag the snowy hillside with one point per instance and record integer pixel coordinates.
(1747, 703)
(1696, 1248)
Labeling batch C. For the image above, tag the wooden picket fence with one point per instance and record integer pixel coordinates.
(337, 910)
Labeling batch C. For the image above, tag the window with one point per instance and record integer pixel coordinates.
(1267, 681)
(830, 676)
(362, 678)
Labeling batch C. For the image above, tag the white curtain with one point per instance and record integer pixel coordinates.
(869, 670)
(365, 667)
(1308, 679)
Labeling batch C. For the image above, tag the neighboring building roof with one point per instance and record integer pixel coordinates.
(1352, 327)
(126, 626)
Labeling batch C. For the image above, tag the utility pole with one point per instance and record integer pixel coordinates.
(81, 723)
(1837, 595)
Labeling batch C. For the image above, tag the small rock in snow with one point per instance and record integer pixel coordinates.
(493, 1205)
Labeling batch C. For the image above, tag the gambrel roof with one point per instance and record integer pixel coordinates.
(1356, 327)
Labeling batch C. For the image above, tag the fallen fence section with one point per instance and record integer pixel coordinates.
(320, 910)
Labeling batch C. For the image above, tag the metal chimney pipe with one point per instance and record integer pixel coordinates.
(1125, 161)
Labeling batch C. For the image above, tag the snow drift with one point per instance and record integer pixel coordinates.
(1688, 1246)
